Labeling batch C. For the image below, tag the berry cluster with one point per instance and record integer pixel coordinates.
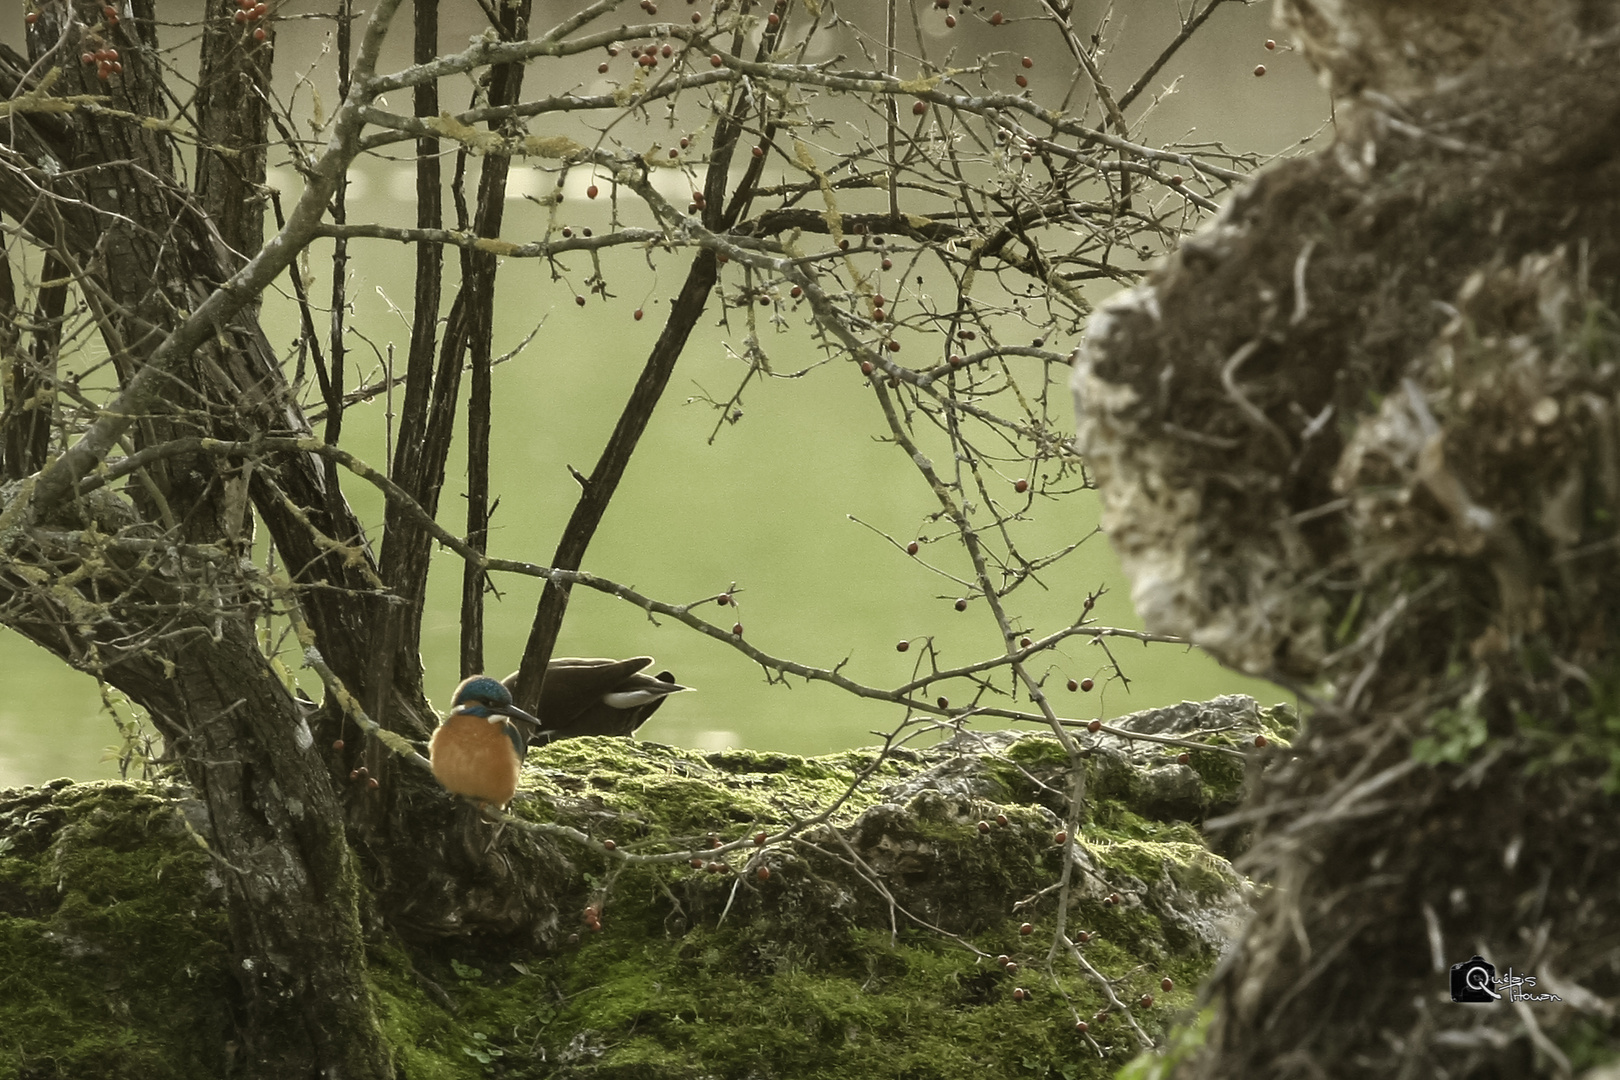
(248, 11)
(106, 61)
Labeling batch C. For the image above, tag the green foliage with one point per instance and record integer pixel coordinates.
(1455, 732)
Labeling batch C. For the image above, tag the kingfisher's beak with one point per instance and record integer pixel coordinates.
(518, 714)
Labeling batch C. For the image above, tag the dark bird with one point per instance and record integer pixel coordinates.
(476, 751)
(590, 696)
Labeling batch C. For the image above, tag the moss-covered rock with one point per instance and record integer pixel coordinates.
(859, 939)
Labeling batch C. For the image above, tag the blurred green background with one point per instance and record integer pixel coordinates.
(767, 504)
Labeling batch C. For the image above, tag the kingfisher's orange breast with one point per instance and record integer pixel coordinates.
(473, 757)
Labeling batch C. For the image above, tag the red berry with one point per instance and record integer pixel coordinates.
(1001, 819)
(1270, 44)
(795, 292)
(1081, 1026)
(866, 369)
(674, 153)
(697, 864)
(1082, 937)
(1018, 993)
(1086, 685)
(1177, 180)
(1259, 740)
(715, 868)
(950, 22)
(354, 774)
(1094, 726)
(613, 50)
(668, 51)
(1115, 898)
(372, 784)
(260, 9)
(1022, 82)
(1012, 968)
(647, 61)
(337, 744)
(610, 845)
(602, 68)
(260, 34)
(1027, 929)
(1182, 759)
(685, 142)
(737, 629)
(759, 839)
(1259, 70)
(723, 599)
(580, 300)
(995, 18)
(887, 265)
(1147, 1001)
(877, 315)
(919, 108)
(1166, 984)
(1073, 685)
(773, 18)
(759, 151)
(984, 826)
(764, 872)
(87, 58)
(697, 16)
(1020, 486)
(592, 192)
(568, 233)
(1023, 643)
(33, 17)
(652, 9)
(961, 603)
(911, 548)
(714, 842)
(109, 11)
(1003, 959)
(943, 702)
(1027, 62)
(894, 346)
(902, 646)
(638, 314)
(715, 60)
(1061, 838)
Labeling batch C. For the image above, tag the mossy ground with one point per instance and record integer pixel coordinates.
(113, 943)
(116, 951)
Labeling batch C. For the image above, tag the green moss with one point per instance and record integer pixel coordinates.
(806, 974)
(113, 960)
(676, 792)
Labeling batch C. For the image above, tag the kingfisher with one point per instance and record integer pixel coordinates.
(594, 696)
(476, 751)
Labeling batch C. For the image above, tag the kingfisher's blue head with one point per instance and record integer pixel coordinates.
(485, 697)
